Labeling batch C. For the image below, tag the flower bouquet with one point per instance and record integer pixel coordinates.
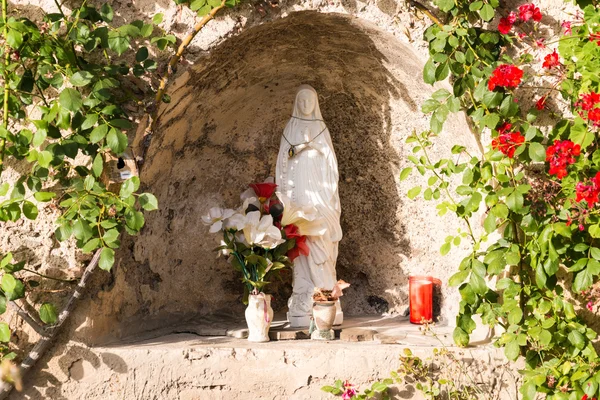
(261, 238)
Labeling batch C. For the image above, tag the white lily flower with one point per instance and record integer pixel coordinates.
(261, 231)
(306, 218)
(237, 221)
(215, 218)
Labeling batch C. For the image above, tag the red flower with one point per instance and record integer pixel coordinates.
(560, 155)
(594, 116)
(589, 306)
(505, 75)
(529, 11)
(567, 26)
(507, 142)
(291, 231)
(541, 103)
(588, 100)
(551, 60)
(349, 391)
(589, 192)
(263, 190)
(300, 248)
(585, 397)
(506, 23)
(595, 37)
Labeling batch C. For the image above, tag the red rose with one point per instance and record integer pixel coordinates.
(505, 75)
(589, 192)
(529, 11)
(551, 60)
(506, 23)
(291, 231)
(541, 103)
(560, 155)
(300, 248)
(507, 142)
(263, 190)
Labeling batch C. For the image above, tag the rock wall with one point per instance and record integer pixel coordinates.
(221, 131)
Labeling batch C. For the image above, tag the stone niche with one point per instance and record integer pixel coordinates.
(221, 131)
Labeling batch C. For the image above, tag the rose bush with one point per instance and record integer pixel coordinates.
(536, 185)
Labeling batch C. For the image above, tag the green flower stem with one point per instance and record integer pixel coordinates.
(5, 76)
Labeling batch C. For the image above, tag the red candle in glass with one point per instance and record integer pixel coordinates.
(421, 298)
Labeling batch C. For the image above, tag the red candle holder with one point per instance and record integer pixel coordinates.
(421, 298)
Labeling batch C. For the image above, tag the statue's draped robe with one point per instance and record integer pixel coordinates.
(311, 178)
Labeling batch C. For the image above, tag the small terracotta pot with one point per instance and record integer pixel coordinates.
(324, 314)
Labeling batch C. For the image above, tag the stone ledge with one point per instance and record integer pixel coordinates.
(187, 366)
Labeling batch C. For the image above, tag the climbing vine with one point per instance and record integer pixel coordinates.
(535, 187)
(73, 85)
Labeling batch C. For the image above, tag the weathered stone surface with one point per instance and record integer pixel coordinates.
(357, 335)
(186, 366)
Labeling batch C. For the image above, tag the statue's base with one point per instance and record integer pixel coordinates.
(323, 335)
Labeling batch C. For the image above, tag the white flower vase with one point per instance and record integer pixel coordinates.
(323, 319)
(259, 315)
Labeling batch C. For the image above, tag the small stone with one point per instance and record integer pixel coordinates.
(357, 335)
(288, 335)
(238, 333)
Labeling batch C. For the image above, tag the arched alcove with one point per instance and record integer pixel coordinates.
(221, 131)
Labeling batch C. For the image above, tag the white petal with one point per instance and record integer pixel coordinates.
(215, 213)
(227, 213)
(216, 227)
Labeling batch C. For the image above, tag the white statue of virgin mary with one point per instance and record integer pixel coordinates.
(307, 173)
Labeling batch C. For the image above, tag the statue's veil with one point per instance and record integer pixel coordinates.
(316, 114)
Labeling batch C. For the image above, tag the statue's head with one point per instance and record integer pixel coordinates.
(307, 103)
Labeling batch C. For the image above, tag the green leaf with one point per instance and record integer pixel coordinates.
(48, 313)
(204, 10)
(4, 332)
(405, 173)
(44, 158)
(580, 134)
(107, 259)
(529, 391)
(577, 339)
(429, 106)
(111, 236)
(14, 39)
(512, 350)
(118, 43)
(2, 304)
(98, 133)
(129, 186)
(148, 201)
(117, 141)
(89, 182)
(142, 54)
(157, 19)
(514, 201)
(515, 316)
(487, 12)
(476, 5)
(429, 72)
(106, 12)
(458, 278)
(30, 210)
(414, 192)
(81, 78)
(39, 137)
(70, 99)
(478, 284)
(90, 120)
(461, 338)
(489, 223)
(12, 287)
(537, 152)
(195, 5)
(445, 249)
(134, 219)
(583, 280)
(91, 245)
(97, 165)
(4, 188)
